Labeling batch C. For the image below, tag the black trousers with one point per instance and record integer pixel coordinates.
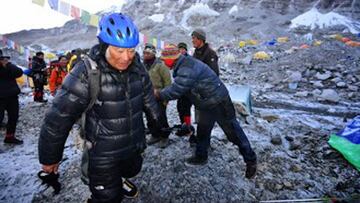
(11, 106)
(183, 106)
(39, 86)
(224, 115)
(163, 123)
(105, 176)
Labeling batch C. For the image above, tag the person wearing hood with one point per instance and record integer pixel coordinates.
(9, 101)
(114, 128)
(160, 78)
(203, 87)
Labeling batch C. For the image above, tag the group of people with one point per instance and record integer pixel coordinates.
(53, 75)
(40, 74)
(129, 87)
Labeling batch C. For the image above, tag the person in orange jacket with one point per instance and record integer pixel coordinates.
(57, 75)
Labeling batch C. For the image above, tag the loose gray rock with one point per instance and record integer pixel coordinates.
(318, 84)
(276, 140)
(341, 84)
(324, 76)
(330, 95)
(302, 94)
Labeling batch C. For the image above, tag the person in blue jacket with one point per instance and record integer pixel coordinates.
(203, 87)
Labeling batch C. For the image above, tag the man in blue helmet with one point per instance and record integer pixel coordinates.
(114, 128)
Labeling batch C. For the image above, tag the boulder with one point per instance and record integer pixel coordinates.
(330, 95)
(323, 76)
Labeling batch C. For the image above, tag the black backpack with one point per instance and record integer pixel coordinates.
(94, 75)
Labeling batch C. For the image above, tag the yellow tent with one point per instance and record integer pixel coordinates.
(21, 80)
(261, 55)
(317, 43)
(50, 55)
(242, 44)
(252, 42)
(337, 37)
(282, 39)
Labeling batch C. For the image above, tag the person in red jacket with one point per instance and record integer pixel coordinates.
(57, 75)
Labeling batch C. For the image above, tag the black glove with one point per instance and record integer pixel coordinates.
(185, 130)
(50, 179)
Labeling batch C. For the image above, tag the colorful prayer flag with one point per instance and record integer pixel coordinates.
(75, 12)
(64, 8)
(54, 4)
(85, 17)
(94, 20)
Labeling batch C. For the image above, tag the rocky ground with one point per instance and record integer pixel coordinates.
(289, 129)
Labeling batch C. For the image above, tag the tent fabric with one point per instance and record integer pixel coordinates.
(282, 39)
(353, 43)
(347, 142)
(261, 55)
(241, 95)
(242, 44)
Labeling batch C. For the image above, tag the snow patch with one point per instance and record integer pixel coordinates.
(197, 9)
(233, 9)
(158, 4)
(315, 19)
(157, 18)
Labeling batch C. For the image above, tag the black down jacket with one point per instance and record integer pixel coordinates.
(197, 81)
(208, 56)
(114, 124)
(38, 65)
(8, 85)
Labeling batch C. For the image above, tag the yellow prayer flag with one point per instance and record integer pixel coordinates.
(39, 2)
(94, 20)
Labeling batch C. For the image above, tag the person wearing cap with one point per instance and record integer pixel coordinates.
(183, 48)
(9, 101)
(39, 75)
(183, 106)
(114, 128)
(160, 78)
(203, 51)
(210, 96)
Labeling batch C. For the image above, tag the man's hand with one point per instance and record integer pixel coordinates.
(157, 94)
(53, 168)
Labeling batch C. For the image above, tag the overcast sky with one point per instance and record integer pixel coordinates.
(16, 15)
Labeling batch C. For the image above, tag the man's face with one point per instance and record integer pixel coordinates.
(148, 55)
(197, 43)
(182, 50)
(120, 58)
(4, 61)
(41, 56)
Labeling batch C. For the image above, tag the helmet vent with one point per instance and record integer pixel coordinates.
(119, 34)
(128, 31)
(112, 21)
(108, 31)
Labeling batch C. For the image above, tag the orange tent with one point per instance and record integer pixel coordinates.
(353, 43)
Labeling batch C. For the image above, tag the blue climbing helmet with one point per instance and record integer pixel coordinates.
(118, 30)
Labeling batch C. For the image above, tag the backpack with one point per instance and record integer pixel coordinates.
(94, 75)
